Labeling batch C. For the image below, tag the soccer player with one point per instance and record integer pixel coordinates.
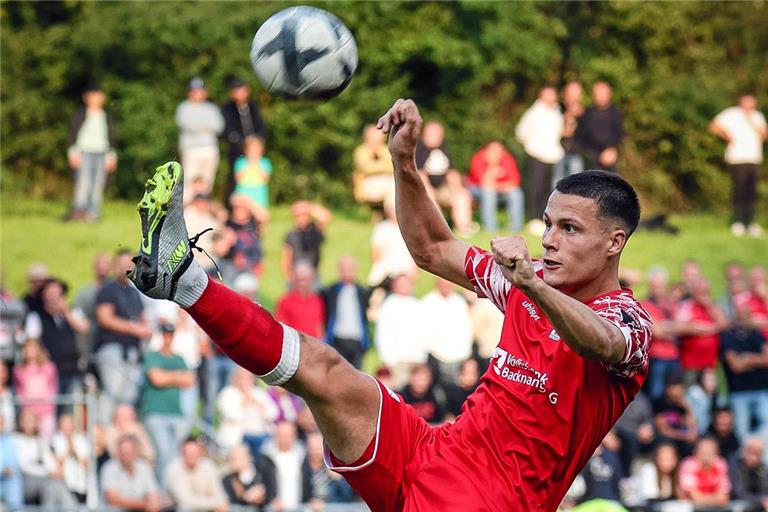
(573, 350)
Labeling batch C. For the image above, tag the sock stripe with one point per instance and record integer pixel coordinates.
(289, 359)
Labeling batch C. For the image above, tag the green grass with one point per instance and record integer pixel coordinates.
(31, 230)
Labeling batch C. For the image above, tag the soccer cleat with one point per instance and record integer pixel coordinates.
(165, 266)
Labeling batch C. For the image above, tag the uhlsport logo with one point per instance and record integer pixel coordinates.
(177, 256)
(531, 310)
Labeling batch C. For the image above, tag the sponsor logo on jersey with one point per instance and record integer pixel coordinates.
(554, 336)
(518, 370)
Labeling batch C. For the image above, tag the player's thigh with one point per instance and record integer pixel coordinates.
(344, 401)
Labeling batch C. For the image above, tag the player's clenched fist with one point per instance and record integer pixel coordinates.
(512, 254)
(403, 123)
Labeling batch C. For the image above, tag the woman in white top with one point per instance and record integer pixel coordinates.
(71, 452)
(657, 479)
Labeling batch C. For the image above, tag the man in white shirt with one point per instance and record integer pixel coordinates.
(127, 482)
(744, 128)
(449, 337)
(287, 454)
(540, 130)
(399, 332)
(390, 254)
(194, 481)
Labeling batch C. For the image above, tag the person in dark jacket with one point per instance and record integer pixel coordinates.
(346, 303)
(242, 118)
(749, 474)
(600, 130)
(320, 485)
(91, 153)
(248, 483)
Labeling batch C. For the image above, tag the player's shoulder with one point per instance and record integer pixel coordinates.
(621, 302)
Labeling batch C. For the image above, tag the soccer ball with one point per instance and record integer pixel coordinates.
(304, 52)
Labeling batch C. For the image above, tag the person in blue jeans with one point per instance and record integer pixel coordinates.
(166, 375)
(91, 153)
(11, 487)
(494, 178)
(746, 371)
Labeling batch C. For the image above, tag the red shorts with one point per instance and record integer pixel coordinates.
(408, 465)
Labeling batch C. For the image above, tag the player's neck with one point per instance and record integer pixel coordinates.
(605, 283)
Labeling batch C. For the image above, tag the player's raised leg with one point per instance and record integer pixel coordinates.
(344, 401)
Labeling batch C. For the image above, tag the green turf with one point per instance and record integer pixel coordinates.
(31, 230)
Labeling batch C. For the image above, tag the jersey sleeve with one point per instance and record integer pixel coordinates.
(635, 324)
(485, 274)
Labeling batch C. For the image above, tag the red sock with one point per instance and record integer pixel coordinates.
(245, 331)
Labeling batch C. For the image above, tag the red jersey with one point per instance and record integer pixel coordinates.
(304, 313)
(758, 306)
(697, 352)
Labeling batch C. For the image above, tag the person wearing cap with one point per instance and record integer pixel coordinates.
(242, 119)
(166, 375)
(37, 275)
(200, 122)
(91, 153)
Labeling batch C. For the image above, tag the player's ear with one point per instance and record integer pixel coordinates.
(616, 241)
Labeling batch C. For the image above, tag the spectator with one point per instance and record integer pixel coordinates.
(121, 327)
(194, 482)
(222, 243)
(71, 453)
(373, 177)
(744, 128)
(345, 305)
(466, 383)
(443, 182)
(246, 413)
(11, 319)
(100, 452)
(399, 340)
(252, 172)
(199, 122)
(127, 482)
(745, 361)
(289, 406)
(635, 431)
(699, 322)
(487, 322)
(91, 153)
(664, 353)
(758, 298)
(600, 130)
(320, 484)
(286, 454)
(37, 275)
(124, 423)
(246, 223)
(658, 477)
(36, 383)
(721, 430)
(200, 214)
(301, 308)
(539, 130)
(242, 119)
(603, 471)
(85, 300)
(7, 404)
(166, 374)
(572, 108)
(736, 284)
(390, 256)
(11, 485)
(749, 475)
(304, 242)
(690, 272)
(420, 393)
(494, 178)
(673, 416)
(248, 484)
(56, 325)
(41, 477)
(703, 397)
(704, 475)
(449, 337)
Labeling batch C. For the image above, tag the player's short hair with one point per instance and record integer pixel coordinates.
(615, 197)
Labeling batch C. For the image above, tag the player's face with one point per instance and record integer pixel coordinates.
(577, 243)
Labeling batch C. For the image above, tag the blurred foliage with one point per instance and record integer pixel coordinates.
(474, 65)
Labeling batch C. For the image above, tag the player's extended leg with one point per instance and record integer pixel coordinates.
(345, 402)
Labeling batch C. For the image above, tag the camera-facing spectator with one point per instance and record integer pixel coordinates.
(573, 109)
(199, 122)
(704, 475)
(703, 396)
(658, 477)
(673, 417)
(201, 213)
(600, 130)
(494, 178)
(247, 223)
(124, 423)
(420, 393)
(85, 300)
(721, 430)
(286, 454)
(194, 482)
(373, 175)
(390, 255)
(248, 484)
(603, 471)
(320, 484)
(91, 153)
(305, 241)
(758, 298)
(252, 172)
(302, 308)
(246, 413)
(749, 474)
(127, 481)
(71, 452)
(466, 383)
(37, 276)
(36, 383)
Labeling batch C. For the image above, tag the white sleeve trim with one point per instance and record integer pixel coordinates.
(341, 469)
(289, 359)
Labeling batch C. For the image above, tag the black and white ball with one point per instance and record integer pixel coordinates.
(304, 52)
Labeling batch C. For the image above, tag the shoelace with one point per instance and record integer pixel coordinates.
(193, 244)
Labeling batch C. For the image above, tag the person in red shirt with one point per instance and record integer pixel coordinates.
(704, 476)
(758, 298)
(699, 323)
(493, 175)
(301, 308)
(573, 351)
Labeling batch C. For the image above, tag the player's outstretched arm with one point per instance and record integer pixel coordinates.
(427, 235)
(582, 329)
